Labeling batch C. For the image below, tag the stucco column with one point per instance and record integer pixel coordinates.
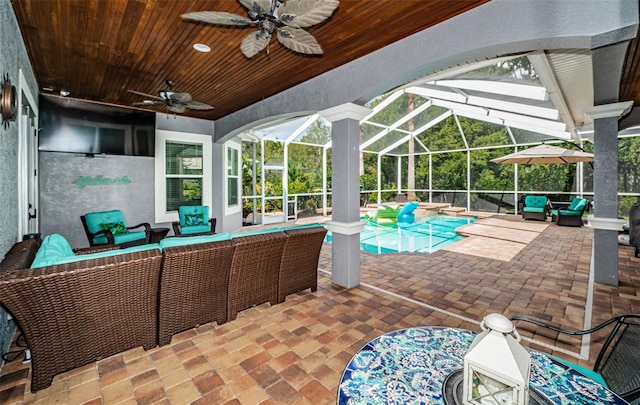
(345, 225)
(605, 220)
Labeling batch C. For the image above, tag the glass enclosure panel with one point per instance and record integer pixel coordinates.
(318, 133)
(305, 168)
(273, 183)
(547, 178)
(454, 198)
(486, 175)
(423, 118)
(443, 136)
(273, 153)
(368, 131)
(498, 203)
(450, 171)
(183, 158)
(386, 141)
(480, 133)
(397, 109)
(182, 191)
(521, 136)
(628, 164)
(388, 172)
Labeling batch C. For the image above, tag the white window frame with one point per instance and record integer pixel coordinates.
(232, 209)
(162, 137)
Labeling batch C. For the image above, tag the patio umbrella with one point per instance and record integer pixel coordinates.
(545, 154)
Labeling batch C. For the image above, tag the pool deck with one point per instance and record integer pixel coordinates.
(295, 352)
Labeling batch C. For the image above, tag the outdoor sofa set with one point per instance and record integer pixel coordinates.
(538, 207)
(76, 307)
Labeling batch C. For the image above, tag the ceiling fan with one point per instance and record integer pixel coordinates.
(175, 101)
(268, 15)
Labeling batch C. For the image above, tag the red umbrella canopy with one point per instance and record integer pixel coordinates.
(545, 154)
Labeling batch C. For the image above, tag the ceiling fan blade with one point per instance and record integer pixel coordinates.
(259, 6)
(196, 105)
(254, 43)
(182, 98)
(305, 13)
(299, 40)
(148, 102)
(144, 94)
(216, 17)
(177, 108)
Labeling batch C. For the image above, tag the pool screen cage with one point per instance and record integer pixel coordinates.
(432, 141)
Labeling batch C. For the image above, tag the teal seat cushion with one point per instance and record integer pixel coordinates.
(108, 253)
(257, 232)
(190, 230)
(582, 370)
(53, 248)
(191, 240)
(535, 201)
(113, 221)
(568, 213)
(533, 209)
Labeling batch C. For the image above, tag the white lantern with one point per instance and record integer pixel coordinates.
(496, 367)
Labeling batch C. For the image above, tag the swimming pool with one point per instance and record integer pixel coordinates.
(426, 235)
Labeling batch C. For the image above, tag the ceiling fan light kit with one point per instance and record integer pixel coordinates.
(286, 19)
(175, 101)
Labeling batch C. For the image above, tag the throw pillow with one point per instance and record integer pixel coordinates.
(193, 219)
(116, 228)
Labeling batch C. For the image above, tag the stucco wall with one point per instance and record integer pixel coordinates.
(13, 57)
(72, 185)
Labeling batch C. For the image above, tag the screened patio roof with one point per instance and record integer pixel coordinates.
(535, 97)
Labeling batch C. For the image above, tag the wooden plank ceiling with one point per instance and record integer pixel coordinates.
(99, 49)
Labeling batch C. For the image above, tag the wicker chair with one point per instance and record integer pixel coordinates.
(535, 207)
(618, 360)
(253, 279)
(194, 220)
(193, 287)
(96, 224)
(299, 266)
(76, 313)
(634, 227)
(572, 215)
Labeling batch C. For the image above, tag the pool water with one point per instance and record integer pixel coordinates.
(426, 235)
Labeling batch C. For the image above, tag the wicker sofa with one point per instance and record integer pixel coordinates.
(104, 303)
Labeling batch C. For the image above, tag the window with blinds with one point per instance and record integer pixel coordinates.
(183, 169)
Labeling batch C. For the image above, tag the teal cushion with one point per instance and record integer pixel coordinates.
(53, 247)
(535, 201)
(107, 253)
(191, 240)
(191, 213)
(533, 209)
(95, 220)
(582, 370)
(578, 205)
(120, 238)
(190, 230)
(257, 232)
(568, 213)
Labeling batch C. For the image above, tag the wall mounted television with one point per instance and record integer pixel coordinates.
(81, 127)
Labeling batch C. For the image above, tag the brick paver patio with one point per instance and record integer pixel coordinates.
(295, 352)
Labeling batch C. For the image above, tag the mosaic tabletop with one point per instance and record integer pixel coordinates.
(409, 366)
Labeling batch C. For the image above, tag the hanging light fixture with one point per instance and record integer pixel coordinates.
(496, 367)
(287, 20)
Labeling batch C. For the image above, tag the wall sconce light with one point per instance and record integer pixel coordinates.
(496, 367)
(8, 101)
